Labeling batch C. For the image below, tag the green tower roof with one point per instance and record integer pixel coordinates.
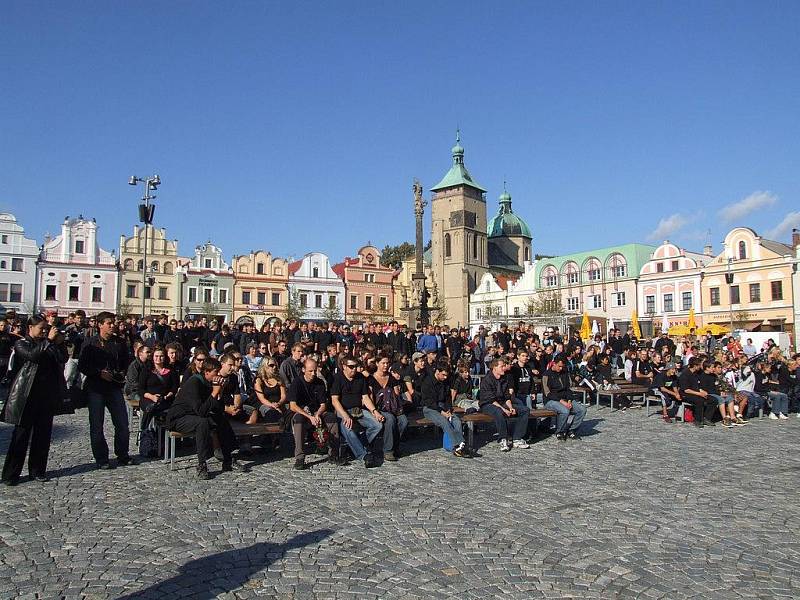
(505, 222)
(458, 174)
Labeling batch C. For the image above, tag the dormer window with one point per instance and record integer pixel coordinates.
(260, 269)
(742, 250)
(207, 263)
(80, 247)
(315, 272)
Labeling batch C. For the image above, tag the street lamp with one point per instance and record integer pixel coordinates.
(146, 213)
(729, 281)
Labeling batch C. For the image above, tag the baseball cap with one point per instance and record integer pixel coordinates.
(671, 365)
(417, 356)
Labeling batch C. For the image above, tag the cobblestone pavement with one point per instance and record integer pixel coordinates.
(638, 508)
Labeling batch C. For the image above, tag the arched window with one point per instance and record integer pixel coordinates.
(549, 277)
(474, 246)
(167, 268)
(571, 275)
(154, 266)
(742, 250)
(447, 245)
(527, 254)
(315, 272)
(140, 265)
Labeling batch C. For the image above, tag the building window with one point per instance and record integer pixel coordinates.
(447, 248)
(735, 294)
(207, 263)
(147, 292)
(208, 295)
(223, 296)
(303, 300)
(261, 297)
(193, 294)
(331, 301)
(130, 291)
(551, 280)
(383, 303)
(618, 271)
(777, 290)
(516, 311)
(527, 254)
(259, 268)
(2, 264)
(675, 264)
(74, 293)
(742, 250)
(714, 296)
(276, 298)
(369, 277)
(97, 294)
(162, 293)
(594, 274)
(596, 301)
(668, 307)
(649, 305)
(15, 292)
(317, 300)
(474, 246)
(245, 297)
(572, 303)
(16, 264)
(4, 239)
(353, 302)
(572, 277)
(315, 272)
(659, 267)
(477, 313)
(755, 292)
(140, 265)
(368, 302)
(618, 299)
(50, 292)
(686, 301)
(79, 247)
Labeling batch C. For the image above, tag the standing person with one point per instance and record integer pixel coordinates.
(104, 361)
(40, 357)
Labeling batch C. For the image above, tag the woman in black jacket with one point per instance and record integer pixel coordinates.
(158, 385)
(37, 390)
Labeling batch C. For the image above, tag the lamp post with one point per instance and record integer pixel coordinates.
(146, 212)
(729, 281)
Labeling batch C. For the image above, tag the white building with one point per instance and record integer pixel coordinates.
(315, 285)
(18, 256)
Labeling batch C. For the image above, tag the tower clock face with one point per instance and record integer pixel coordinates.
(369, 258)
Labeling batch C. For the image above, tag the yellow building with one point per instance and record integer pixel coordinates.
(749, 283)
(161, 292)
(260, 287)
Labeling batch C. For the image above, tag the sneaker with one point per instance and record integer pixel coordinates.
(782, 416)
(521, 444)
(390, 456)
(666, 419)
(740, 422)
(504, 446)
(218, 455)
(461, 451)
(726, 422)
(202, 471)
(125, 461)
(41, 478)
(572, 435)
(773, 416)
(299, 464)
(561, 437)
(107, 466)
(233, 465)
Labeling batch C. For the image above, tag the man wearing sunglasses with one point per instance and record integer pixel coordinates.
(350, 399)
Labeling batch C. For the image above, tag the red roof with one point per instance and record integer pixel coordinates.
(503, 281)
(338, 268)
(294, 267)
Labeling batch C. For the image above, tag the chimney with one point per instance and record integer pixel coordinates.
(795, 238)
(708, 250)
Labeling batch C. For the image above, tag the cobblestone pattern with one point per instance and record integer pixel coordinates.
(637, 509)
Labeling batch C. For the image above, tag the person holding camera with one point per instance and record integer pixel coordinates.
(198, 410)
(104, 361)
(39, 359)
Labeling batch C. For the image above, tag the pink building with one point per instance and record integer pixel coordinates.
(75, 273)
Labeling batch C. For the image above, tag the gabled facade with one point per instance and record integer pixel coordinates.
(18, 256)
(317, 288)
(162, 290)
(489, 303)
(761, 295)
(260, 287)
(669, 284)
(209, 285)
(74, 273)
(368, 286)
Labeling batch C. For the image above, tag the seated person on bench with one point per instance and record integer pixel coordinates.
(437, 407)
(496, 398)
(558, 398)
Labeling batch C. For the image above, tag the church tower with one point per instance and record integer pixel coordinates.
(458, 238)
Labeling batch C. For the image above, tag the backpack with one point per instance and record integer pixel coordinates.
(148, 444)
(388, 401)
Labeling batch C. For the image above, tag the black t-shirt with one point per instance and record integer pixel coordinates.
(324, 339)
(310, 395)
(688, 381)
(349, 392)
(665, 381)
(522, 380)
(708, 383)
(454, 346)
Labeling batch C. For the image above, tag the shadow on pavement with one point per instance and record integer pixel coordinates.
(223, 572)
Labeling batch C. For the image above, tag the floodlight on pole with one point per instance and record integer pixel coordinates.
(146, 213)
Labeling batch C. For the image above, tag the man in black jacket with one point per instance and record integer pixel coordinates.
(558, 397)
(692, 393)
(104, 361)
(437, 407)
(198, 410)
(496, 398)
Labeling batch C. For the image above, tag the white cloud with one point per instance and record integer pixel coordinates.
(783, 228)
(667, 226)
(742, 208)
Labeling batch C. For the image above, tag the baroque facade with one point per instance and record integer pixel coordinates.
(315, 287)
(161, 292)
(208, 284)
(368, 286)
(260, 287)
(18, 256)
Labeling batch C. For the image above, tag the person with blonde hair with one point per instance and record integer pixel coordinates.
(269, 394)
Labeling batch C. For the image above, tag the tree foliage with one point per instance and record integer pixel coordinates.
(294, 310)
(392, 256)
(544, 303)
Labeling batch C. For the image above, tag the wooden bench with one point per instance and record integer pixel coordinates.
(626, 389)
(240, 429)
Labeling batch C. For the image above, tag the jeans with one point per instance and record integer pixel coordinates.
(115, 403)
(501, 420)
(780, 402)
(526, 400)
(451, 426)
(371, 429)
(726, 399)
(563, 413)
(301, 427)
(393, 428)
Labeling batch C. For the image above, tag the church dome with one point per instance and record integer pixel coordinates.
(505, 222)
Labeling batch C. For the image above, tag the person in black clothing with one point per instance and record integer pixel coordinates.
(522, 380)
(454, 346)
(308, 400)
(198, 411)
(6, 346)
(437, 407)
(157, 386)
(33, 399)
(395, 338)
(496, 398)
(104, 361)
(703, 407)
(412, 378)
(325, 338)
(642, 372)
(665, 342)
(666, 385)
(558, 397)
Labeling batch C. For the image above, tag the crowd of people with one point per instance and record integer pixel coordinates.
(349, 392)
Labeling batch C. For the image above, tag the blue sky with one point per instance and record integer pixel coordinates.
(300, 126)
